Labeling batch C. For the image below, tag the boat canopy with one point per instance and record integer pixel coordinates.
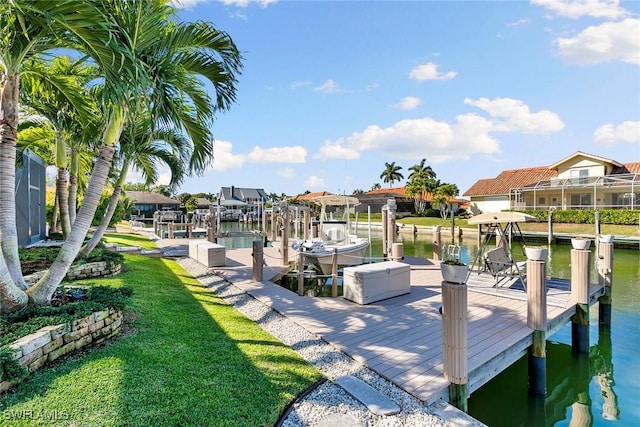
(333, 200)
(501, 218)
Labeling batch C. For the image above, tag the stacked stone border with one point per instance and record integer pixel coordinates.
(82, 271)
(52, 342)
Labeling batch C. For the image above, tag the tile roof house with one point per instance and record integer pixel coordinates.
(246, 199)
(579, 181)
(147, 202)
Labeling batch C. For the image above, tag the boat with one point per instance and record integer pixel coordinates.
(334, 235)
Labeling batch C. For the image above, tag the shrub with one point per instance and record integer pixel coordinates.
(10, 367)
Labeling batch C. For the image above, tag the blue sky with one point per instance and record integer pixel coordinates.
(331, 90)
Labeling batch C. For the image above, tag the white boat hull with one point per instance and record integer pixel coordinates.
(348, 255)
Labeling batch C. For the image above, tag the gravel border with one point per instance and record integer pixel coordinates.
(328, 404)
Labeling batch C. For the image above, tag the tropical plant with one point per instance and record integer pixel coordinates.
(442, 199)
(391, 173)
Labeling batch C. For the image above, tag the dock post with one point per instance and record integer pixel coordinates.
(391, 226)
(437, 243)
(605, 278)
(397, 252)
(550, 226)
(307, 221)
(300, 272)
(385, 225)
(334, 273)
(284, 247)
(170, 230)
(537, 320)
(454, 342)
(258, 260)
(274, 222)
(580, 295)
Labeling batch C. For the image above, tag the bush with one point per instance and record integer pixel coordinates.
(588, 216)
(10, 367)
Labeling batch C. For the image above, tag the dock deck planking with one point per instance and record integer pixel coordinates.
(401, 338)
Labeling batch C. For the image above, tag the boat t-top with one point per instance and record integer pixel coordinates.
(334, 235)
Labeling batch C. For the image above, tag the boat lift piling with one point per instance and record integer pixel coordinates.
(537, 320)
(604, 264)
(580, 294)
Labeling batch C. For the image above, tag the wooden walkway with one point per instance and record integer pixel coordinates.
(401, 338)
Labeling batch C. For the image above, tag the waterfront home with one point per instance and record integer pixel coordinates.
(579, 181)
(146, 203)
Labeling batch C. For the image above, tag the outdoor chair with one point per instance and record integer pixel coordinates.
(501, 266)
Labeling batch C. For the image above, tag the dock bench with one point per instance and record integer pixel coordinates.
(369, 283)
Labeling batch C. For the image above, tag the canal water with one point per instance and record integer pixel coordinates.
(598, 389)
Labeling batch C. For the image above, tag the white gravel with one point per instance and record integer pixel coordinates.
(328, 404)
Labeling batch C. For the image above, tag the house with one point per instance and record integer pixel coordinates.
(146, 203)
(579, 181)
(376, 199)
(244, 199)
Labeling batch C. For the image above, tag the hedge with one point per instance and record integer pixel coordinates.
(587, 216)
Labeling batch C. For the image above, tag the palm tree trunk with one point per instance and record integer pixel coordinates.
(73, 186)
(106, 219)
(61, 184)
(54, 215)
(11, 297)
(8, 134)
(43, 290)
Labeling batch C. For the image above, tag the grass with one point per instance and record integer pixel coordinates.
(190, 360)
(129, 239)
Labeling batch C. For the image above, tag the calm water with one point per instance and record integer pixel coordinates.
(598, 389)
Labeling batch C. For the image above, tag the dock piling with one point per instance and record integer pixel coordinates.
(537, 320)
(258, 260)
(454, 342)
(580, 294)
(605, 278)
(437, 243)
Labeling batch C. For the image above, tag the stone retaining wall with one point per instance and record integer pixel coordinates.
(82, 271)
(51, 342)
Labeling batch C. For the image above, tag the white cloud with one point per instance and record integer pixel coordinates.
(301, 83)
(185, 4)
(224, 158)
(609, 134)
(245, 3)
(441, 141)
(329, 86)
(315, 182)
(286, 173)
(574, 9)
(429, 71)
(514, 115)
(519, 22)
(610, 41)
(295, 154)
(336, 150)
(409, 103)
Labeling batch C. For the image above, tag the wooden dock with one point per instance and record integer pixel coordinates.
(401, 338)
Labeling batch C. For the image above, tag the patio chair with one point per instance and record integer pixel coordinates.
(500, 265)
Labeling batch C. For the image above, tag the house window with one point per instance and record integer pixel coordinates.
(541, 200)
(579, 176)
(554, 201)
(581, 200)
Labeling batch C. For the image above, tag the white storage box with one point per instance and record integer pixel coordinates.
(211, 254)
(369, 283)
(193, 248)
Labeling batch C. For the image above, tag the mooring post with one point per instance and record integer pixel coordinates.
(170, 230)
(580, 295)
(605, 278)
(437, 243)
(334, 273)
(307, 221)
(258, 260)
(537, 320)
(550, 226)
(397, 252)
(385, 225)
(454, 342)
(284, 248)
(274, 222)
(300, 272)
(391, 227)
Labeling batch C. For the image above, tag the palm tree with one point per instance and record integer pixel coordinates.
(422, 170)
(143, 148)
(391, 173)
(155, 48)
(29, 28)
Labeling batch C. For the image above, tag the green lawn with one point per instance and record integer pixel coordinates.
(132, 239)
(189, 359)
